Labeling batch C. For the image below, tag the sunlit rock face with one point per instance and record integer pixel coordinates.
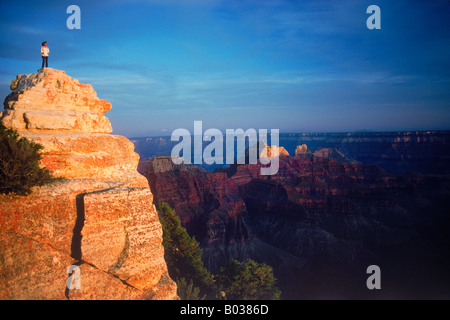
(99, 216)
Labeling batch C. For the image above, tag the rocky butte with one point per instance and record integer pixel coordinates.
(99, 216)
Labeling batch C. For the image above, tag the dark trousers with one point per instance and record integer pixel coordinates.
(44, 60)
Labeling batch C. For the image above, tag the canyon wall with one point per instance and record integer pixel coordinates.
(318, 222)
(98, 215)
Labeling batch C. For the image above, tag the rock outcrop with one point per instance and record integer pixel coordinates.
(51, 100)
(273, 151)
(333, 153)
(98, 216)
(302, 150)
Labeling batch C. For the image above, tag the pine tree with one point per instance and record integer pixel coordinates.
(187, 291)
(19, 163)
(237, 280)
(248, 281)
(182, 253)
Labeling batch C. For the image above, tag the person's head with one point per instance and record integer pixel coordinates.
(44, 43)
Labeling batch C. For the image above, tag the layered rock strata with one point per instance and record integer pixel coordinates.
(319, 222)
(208, 205)
(99, 216)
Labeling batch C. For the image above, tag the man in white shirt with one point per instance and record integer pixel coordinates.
(44, 52)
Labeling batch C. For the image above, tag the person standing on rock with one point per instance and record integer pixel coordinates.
(44, 52)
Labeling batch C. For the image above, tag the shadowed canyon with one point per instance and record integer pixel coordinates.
(326, 215)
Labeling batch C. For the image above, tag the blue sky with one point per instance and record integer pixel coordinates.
(297, 66)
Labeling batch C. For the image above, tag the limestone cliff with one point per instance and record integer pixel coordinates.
(100, 216)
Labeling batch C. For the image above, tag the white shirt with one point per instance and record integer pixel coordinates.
(45, 51)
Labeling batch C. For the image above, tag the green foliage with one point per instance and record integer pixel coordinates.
(19, 163)
(248, 281)
(182, 253)
(187, 291)
(236, 281)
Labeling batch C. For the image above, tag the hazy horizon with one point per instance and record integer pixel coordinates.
(168, 135)
(296, 66)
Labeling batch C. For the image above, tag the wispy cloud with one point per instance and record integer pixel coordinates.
(385, 77)
(24, 30)
(162, 62)
(119, 80)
